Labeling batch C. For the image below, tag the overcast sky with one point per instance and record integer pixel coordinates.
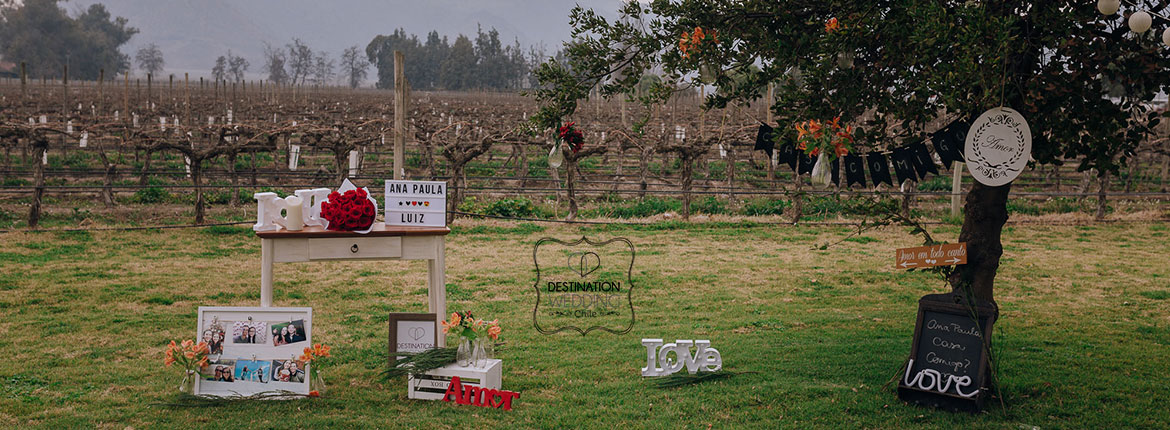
(192, 33)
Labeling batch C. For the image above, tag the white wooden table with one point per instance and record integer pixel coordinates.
(382, 243)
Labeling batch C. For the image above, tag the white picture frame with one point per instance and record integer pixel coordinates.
(259, 354)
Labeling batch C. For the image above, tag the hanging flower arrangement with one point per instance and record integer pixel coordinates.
(824, 137)
(571, 136)
(692, 41)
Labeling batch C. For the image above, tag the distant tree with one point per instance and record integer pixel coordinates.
(380, 52)
(219, 72)
(459, 69)
(150, 59)
(237, 65)
(41, 34)
(274, 59)
(323, 68)
(353, 66)
(300, 61)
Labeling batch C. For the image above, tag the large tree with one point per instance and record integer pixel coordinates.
(353, 66)
(42, 35)
(150, 59)
(890, 67)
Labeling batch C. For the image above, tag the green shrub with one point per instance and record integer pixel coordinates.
(643, 208)
(766, 206)
(937, 183)
(518, 207)
(152, 195)
(709, 205)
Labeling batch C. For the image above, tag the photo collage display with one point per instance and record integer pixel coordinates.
(254, 349)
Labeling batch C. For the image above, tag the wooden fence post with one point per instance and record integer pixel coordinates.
(399, 115)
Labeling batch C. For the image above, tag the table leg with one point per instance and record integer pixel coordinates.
(266, 273)
(437, 285)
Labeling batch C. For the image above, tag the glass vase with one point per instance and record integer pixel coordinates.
(479, 356)
(463, 353)
(317, 384)
(822, 170)
(555, 156)
(188, 384)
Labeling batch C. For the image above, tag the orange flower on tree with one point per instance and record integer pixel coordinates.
(832, 25)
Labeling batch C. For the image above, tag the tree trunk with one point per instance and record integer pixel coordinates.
(643, 167)
(688, 165)
(34, 212)
(197, 179)
(234, 199)
(570, 184)
(108, 186)
(985, 215)
(455, 186)
(142, 179)
(1102, 196)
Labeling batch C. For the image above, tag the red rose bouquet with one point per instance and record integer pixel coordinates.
(350, 210)
(570, 135)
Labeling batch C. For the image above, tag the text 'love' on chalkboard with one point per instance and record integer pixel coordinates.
(948, 358)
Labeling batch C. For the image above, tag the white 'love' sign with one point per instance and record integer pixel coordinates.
(658, 363)
(998, 146)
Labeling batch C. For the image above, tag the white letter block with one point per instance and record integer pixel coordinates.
(268, 208)
(311, 204)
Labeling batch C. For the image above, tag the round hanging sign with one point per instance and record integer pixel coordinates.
(999, 145)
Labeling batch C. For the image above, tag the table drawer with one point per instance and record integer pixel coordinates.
(351, 248)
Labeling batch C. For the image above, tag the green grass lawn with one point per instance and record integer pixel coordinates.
(1083, 338)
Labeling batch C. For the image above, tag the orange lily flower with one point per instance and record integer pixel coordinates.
(832, 25)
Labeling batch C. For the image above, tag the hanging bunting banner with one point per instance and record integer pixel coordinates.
(835, 171)
(923, 162)
(787, 156)
(806, 164)
(764, 141)
(903, 164)
(998, 146)
(879, 169)
(854, 170)
(948, 142)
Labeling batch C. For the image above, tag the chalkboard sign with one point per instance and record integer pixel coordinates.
(948, 358)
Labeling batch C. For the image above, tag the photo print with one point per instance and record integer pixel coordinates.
(288, 371)
(244, 332)
(221, 371)
(214, 336)
(289, 332)
(253, 370)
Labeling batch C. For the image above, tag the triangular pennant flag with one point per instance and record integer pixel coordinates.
(879, 169)
(764, 141)
(904, 164)
(835, 171)
(949, 141)
(806, 164)
(854, 171)
(786, 154)
(923, 162)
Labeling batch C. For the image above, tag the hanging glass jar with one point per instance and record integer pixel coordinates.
(822, 171)
(555, 156)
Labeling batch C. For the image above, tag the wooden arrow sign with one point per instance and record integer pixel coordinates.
(948, 254)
